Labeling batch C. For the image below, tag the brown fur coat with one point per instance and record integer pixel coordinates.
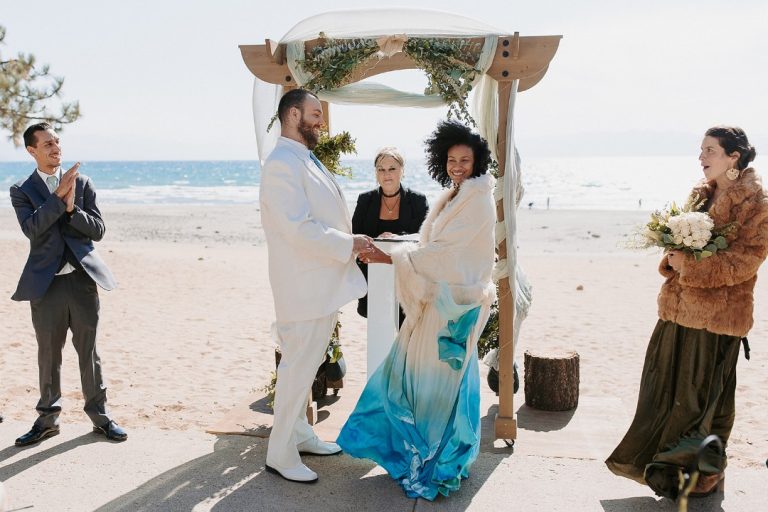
(716, 293)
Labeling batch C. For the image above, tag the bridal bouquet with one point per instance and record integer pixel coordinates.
(683, 228)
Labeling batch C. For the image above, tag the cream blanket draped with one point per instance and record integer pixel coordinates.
(456, 246)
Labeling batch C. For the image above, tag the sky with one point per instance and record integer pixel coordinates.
(164, 80)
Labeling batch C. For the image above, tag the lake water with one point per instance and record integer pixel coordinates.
(595, 183)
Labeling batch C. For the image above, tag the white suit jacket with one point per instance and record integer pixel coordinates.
(312, 270)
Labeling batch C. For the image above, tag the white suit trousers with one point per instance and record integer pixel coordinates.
(303, 346)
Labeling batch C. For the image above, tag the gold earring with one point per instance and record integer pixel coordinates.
(732, 174)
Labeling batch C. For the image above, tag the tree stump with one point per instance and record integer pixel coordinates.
(552, 382)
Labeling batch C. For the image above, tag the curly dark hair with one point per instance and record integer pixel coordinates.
(447, 135)
(733, 138)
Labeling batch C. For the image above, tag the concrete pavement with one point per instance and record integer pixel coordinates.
(161, 470)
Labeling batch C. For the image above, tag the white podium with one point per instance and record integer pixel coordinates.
(383, 312)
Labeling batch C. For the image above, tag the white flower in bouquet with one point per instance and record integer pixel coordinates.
(685, 229)
(691, 229)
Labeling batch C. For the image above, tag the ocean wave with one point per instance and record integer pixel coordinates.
(595, 183)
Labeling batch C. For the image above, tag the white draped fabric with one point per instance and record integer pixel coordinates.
(509, 187)
(369, 23)
(373, 23)
(388, 21)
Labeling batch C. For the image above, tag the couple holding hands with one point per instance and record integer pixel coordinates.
(419, 414)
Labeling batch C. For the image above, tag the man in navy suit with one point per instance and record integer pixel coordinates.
(57, 211)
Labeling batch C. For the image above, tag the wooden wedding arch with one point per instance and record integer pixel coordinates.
(522, 58)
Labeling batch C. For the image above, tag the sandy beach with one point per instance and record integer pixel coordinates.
(186, 336)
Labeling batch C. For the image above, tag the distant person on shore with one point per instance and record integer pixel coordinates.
(57, 211)
(312, 273)
(388, 210)
(419, 415)
(688, 384)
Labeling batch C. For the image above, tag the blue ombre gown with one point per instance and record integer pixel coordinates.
(419, 415)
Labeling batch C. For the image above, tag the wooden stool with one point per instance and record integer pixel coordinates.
(552, 382)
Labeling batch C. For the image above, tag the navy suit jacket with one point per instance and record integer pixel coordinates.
(43, 219)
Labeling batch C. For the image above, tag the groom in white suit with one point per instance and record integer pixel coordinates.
(312, 272)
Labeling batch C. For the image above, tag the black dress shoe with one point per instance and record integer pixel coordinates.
(112, 431)
(36, 435)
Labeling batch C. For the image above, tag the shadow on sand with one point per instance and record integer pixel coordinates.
(529, 418)
(232, 478)
(11, 470)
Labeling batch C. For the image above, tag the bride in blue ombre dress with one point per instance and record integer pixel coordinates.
(419, 414)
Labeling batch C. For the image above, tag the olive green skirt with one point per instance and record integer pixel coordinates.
(687, 392)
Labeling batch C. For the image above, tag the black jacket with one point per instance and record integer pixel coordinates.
(365, 221)
(413, 211)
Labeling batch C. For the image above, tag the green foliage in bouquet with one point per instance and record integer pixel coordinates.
(664, 230)
(329, 149)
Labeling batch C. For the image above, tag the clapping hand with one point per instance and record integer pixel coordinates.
(66, 188)
(70, 200)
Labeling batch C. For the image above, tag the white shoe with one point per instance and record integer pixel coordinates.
(300, 473)
(315, 446)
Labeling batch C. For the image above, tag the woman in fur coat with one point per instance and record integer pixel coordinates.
(419, 414)
(688, 382)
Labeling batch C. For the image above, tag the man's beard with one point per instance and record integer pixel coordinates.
(308, 134)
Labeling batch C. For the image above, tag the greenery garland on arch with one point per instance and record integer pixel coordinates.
(446, 62)
(332, 61)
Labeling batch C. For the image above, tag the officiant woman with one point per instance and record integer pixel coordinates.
(388, 210)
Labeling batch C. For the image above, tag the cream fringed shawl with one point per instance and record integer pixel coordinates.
(456, 247)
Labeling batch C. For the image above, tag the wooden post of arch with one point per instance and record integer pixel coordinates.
(517, 58)
(505, 425)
